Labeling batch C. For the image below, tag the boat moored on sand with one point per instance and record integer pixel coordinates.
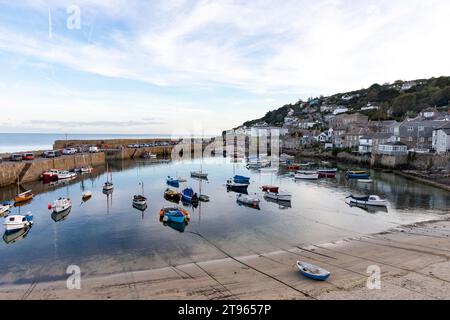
(372, 200)
(313, 272)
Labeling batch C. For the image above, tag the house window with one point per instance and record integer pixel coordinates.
(421, 128)
(410, 129)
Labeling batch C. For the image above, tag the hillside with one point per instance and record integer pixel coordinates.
(392, 101)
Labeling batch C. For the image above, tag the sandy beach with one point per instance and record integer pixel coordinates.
(413, 259)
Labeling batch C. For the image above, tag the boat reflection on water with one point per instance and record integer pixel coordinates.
(22, 204)
(178, 226)
(60, 216)
(140, 207)
(282, 204)
(15, 235)
(369, 208)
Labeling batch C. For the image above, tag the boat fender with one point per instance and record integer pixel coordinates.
(49, 206)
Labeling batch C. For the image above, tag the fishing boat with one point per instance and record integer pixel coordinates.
(16, 222)
(357, 175)
(241, 179)
(372, 200)
(279, 196)
(248, 200)
(5, 207)
(86, 195)
(140, 199)
(188, 195)
(365, 180)
(306, 175)
(64, 174)
(231, 185)
(173, 214)
(199, 174)
(172, 182)
(270, 188)
(172, 195)
(24, 197)
(50, 175)
(60, 205)
(313, 272)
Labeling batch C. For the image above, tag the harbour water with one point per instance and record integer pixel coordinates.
(17, 142)
(107, 235)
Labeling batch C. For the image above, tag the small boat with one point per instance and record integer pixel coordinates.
(269, 189)
(172, 182)
(306, 164)
(372, 200)
(108, 186)
(357, 175)
(188, 195)
(258, 164)
(62, 175)
(16, 222)
(86, 170)
(203, 198)
(231, 185)
(139, 200)
(281, 204)
(327, 170)
(24, 197)
(180, 179)
(303, 175)
(365, 180)
(327, 173)
(5, 207)
(175, 214)
(241, 179)
(286, 156)
(248, 200)
(50, 175)
(293, 167)
(86, 195)
(313, 272)
(60, 205)
(199, 174)
(172, 195)
(279, 196)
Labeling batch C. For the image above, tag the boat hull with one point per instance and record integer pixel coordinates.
(278, 197)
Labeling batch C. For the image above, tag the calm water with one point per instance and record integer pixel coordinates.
(106, 235)
(16, 142)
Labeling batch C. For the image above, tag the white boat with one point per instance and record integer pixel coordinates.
(365, 180)
(5, 207)
(372, 200)
(279, 196)
(60, 205)
(248, 200)
(62, 175)
(256, 164)
(140, 200)
(306, 175)
(86, 195)
(234, 185)
(199, 174)
(286, 156)
(86, 170)
(16, 222)
(108, 186)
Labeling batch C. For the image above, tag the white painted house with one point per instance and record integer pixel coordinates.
(441, 139)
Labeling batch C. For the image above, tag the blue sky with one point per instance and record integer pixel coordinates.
(179, 66)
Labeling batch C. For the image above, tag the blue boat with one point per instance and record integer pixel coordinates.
(313, 272)
(174, 215)
(173, 182)
(357, 175)
(188, 195)
(241, 179)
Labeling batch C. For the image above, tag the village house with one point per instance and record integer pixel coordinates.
(418, 134)
(379, 138)
(393, 149)
(441, 138)
(365, 144)
(352, 137)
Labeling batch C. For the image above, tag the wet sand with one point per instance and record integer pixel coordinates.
(414, 262)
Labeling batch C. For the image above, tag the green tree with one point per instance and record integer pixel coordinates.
(404, 103)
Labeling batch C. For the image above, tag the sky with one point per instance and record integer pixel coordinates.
(176, 66)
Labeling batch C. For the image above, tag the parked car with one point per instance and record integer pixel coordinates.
(135, 145)
(68, 151)
(49, 154)
(93, 149)
(58, 153)
(28, 156)
(16, 157)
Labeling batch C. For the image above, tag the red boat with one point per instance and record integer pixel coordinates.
(325, 174)
(270, 189)
(50, 175)
(293, 167)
